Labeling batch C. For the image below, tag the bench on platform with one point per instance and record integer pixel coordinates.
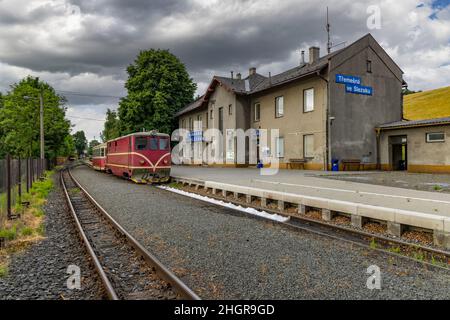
(349, 163)
(300, 162)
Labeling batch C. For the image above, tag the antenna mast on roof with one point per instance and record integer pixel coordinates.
(329, 44)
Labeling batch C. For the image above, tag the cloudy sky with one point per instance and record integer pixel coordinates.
(83, 46)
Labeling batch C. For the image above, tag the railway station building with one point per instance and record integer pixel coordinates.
(327, 110)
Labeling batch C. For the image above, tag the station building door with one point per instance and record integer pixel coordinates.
(399, 152)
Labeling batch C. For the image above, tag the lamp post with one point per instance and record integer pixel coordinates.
(41, 126)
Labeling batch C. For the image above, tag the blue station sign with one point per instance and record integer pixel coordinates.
(353, 84)
(195, 136)
(346, 79)
(358, 89)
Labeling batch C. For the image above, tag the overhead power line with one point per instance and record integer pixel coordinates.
(73, 93)
(81, 118)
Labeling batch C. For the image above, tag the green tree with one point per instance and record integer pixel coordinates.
(68, 147)
(19, 119)
(406, 91)
(112, 126)
(80, 142)
(158, 86)
(92, 144)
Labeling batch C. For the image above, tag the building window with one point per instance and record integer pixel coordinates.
(279, 107)
(211, 114)
(257, 111)
(308, 100)
(199, 122)
(183, 123)
(308, 146)
(230, 109)
(206, 118)
(221, 119)
(279, 147)
(369, 66)
(435, 137)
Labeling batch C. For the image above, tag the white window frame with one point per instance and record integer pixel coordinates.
(307, 154)
(279, 106)
(256, 119)
(279, 152)
(307, 107)
(428, 140)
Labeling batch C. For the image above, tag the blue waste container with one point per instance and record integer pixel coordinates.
(334, 164)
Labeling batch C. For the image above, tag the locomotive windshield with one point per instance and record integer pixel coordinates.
(153, 143)
(163, 143)
(141, 143)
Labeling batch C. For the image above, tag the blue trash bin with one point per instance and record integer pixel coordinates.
(334, 164)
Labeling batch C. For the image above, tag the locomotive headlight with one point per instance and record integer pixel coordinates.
(142, 162)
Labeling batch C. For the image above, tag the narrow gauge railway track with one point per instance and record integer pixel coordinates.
(127, 270)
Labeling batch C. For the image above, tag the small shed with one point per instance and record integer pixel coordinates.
(415, 146)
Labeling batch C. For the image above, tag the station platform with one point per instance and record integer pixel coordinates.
(397, 206)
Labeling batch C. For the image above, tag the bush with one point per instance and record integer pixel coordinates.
(27, 231)
(3, 271)
(8, 234)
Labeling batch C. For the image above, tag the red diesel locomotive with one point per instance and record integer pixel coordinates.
(142, 157)
(99, 157)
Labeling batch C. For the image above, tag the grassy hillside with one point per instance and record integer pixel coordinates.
(427, 104)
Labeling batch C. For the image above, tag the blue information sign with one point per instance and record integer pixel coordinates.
(346, 79)
(358, 89)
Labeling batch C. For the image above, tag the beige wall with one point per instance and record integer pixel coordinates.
(422, 156)
(295, 123)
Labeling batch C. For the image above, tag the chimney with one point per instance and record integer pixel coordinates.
(314, 54)
(238, 76)
(232, 74)
(302, 59)
(251, 71)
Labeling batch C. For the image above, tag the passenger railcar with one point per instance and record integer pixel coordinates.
(99, 157)
(142, 157)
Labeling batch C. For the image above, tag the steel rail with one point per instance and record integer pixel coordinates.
(112, 295)
(164, 273)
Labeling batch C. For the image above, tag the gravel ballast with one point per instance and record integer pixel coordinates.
(223, 254)
(40, 271)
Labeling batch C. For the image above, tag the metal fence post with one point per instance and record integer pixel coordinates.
(8, 185)
(19, 172)
(28, 175)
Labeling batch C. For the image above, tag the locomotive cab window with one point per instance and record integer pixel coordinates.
(141, 143)
(163, 144)
(153, 143)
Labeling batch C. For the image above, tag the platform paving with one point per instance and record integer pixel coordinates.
(312, 183)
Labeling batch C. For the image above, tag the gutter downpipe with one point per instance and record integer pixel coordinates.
(328, 124)
(378, 134)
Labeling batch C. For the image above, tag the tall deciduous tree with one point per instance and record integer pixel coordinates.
(92, 144)
(19, 119)
(112, 126)
(80, 142)
(158, 86)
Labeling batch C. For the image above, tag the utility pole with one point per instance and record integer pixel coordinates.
(41, 113)
(329, 44)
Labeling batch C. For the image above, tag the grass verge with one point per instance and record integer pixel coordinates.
(29, 228)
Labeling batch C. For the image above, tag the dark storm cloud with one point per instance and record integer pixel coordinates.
(85, 45)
